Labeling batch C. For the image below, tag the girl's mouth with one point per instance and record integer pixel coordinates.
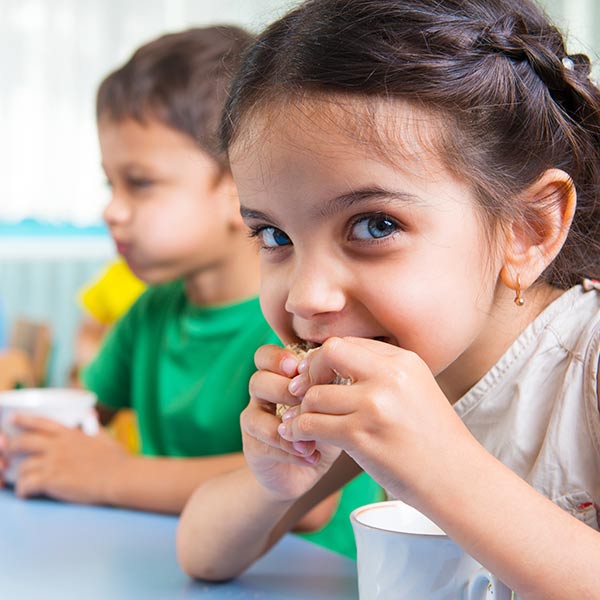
(307, 345)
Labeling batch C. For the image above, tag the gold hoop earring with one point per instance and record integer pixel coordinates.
(519, 300)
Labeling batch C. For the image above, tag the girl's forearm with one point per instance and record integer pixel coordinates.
(163, 484)
(536, 548)
(231, 521)
(228, 523)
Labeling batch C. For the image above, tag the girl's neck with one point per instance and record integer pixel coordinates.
(505, 325)
(235, 278)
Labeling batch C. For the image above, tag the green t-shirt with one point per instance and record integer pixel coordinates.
(184, 369)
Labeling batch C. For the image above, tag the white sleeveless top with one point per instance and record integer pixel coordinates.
(537, 410)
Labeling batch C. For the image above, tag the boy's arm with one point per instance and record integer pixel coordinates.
(232, 520)
(69, 465)
(163, 484)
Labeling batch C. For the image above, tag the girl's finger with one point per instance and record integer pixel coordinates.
(259, 422)
(304, 448)
(261, 427)
(278, 449)
(276, 359)
(354, 359)
(272, 388)
(313, 426)
(301, 449)
(331, 400)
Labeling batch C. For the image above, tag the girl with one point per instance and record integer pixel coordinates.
(422, 179)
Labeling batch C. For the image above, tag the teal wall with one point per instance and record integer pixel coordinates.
(42, 284)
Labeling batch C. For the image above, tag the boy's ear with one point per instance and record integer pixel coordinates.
(535, 238)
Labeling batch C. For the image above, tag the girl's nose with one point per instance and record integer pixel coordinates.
(315, 288)
(117, 211)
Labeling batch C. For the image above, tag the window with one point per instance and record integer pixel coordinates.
(53, 54)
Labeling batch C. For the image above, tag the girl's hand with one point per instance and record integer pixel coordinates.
(285, 468)
(394, 420)
(64, 463)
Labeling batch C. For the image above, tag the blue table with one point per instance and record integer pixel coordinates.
(55, 551)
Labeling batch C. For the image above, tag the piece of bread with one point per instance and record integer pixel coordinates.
(301, 350)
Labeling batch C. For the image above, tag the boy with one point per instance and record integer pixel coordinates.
(182, 356)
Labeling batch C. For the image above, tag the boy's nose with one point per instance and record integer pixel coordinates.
(117, 211)
(315, 288)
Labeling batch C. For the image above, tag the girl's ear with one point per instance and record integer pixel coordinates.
(535, 238)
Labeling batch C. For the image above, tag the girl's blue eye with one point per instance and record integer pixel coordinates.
(374, 227)
(272, 237)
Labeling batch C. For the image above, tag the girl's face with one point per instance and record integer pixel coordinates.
(353, 244)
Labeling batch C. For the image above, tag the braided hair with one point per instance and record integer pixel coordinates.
(513, 102)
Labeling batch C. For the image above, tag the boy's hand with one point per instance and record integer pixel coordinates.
(394, 420)
(3, 457)
(64, 463)
(286, 469)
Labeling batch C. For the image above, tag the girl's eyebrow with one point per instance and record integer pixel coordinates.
(358, 196)
(249, 213)
(334, 205)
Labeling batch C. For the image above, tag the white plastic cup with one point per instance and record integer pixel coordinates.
(403, 555)
(72, 408)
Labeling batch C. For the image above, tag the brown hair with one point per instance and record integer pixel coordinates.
(514, 101)
(180, 78)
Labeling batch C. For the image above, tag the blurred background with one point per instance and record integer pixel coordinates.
(53, 54)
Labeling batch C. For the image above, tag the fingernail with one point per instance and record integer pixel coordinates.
(300, 447)
(288, 366)
(290, 413)
(302, 366)
(294, 386)
(281, 429)
(312, 458)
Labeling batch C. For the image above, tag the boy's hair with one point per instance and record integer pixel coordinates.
(180, 79)
(513, 102)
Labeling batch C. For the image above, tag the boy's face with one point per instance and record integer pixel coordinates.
(353, 245)
(166, 213)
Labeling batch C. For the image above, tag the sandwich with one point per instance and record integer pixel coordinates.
(301, 350)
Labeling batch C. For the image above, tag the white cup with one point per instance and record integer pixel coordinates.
(72, 408)
(402, 555)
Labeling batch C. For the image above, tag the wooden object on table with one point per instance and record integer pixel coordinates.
(16, 369)
(35, 340)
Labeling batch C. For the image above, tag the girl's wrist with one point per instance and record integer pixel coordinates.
(277, 500)
(464, 470)
(446, 473)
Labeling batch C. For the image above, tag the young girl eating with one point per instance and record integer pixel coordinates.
(422, 180)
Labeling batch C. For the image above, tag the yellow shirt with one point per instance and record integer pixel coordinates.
(112, 293)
